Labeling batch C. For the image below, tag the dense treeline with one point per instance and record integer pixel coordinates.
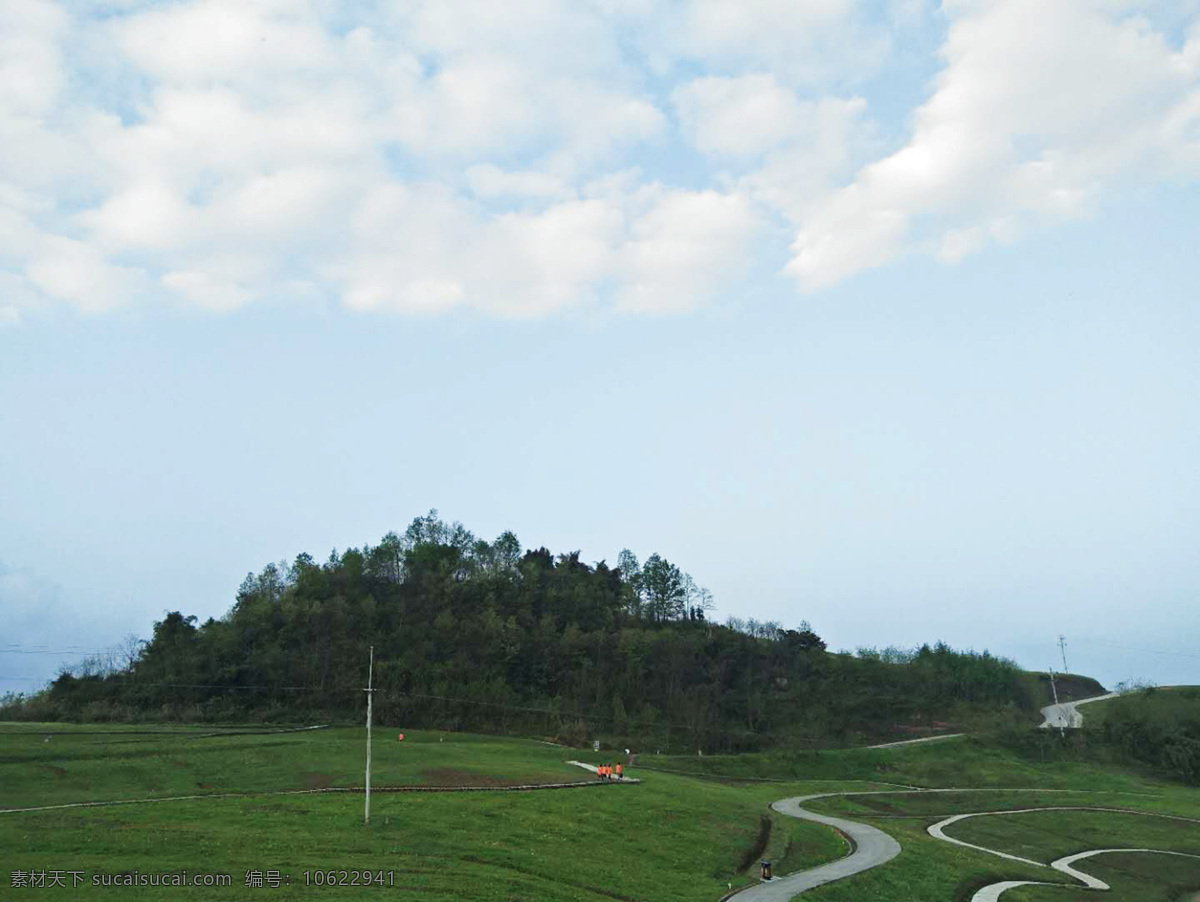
(1158, 727)
(485, 636)
(1157, 730)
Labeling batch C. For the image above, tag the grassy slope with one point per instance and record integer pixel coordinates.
(672, 837)
(85, 765)
(1133, 878)
(669, 838)
(966, 761)
(1048, 835)
(930, 869)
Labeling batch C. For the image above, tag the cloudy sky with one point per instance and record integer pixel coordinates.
(879, 314)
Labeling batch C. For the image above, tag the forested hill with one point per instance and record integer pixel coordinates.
(484, 636)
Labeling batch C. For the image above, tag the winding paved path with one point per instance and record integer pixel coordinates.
(1066, 714)
(872, 848)
(892, 745)
(993, 891)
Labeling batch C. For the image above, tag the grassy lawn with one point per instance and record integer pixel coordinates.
(668, 838)
(1048, 835)
(966, 761)
(672, 837)
(934, 805)
(1133, 878)
(931, 869)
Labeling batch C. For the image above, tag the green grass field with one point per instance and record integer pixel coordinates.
(668, 838)
(1153, 878)
(683, 835)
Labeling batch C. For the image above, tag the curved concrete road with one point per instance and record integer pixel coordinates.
(871, 848)
(993, 891)
(893, 745)
(1066, 714)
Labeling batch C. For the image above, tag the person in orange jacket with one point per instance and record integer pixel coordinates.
(620, 773)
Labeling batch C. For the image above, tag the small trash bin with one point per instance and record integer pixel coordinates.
(766, 870)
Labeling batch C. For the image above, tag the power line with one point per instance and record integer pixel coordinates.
(1152, 651)
(127, 685)
(55, 651)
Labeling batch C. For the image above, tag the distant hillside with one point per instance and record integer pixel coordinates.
(1071, 687)
(486, 636)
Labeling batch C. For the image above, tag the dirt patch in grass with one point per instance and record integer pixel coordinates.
(55, 769)
(449, 776)
(315, 780)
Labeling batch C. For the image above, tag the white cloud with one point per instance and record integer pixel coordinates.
(145, 214)
(1039, 108)
(797, 175)
(220, 41)
(474, 106)
(207, 291)
(561, 36)
(742, 116)
(960, 243)
(684, 248)
(78, 273)
(800, 41)
(488, 181)
(665, 250)
(795, 149)
(31, 69)
(516, 160)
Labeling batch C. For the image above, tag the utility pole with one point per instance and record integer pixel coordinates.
(370, 690)
(1054, 689)
(1062, 645)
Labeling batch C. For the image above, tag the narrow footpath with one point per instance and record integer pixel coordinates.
(871, 848)
(993, 891)
(1066, 714)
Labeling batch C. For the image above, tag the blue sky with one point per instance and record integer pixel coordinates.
(880, 315)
